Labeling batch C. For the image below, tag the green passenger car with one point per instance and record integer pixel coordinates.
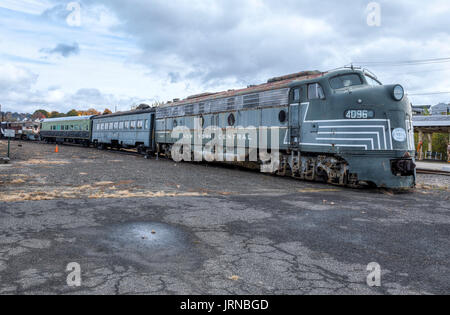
(67, 129)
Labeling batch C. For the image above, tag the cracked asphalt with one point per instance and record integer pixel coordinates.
(139, 226)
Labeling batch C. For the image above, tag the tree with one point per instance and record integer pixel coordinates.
(56, 114)
(43, 112)
(107, 111)
(38, 116)
(89, 112)
(72, 113)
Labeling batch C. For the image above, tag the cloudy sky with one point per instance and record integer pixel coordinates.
(59, 55)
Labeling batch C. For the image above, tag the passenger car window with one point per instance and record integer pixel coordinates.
(346, 80)
(127, 124)
(121, 125)
(315, 92)
(111, 126)
(139, 124)
(146, 124)
(116, 125)
(133, 124)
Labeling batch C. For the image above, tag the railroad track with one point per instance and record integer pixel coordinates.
(135, 153)
(121, 151)
(431, 172)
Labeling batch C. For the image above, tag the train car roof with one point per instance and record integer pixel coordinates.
(130, 112)
(72, 118)
(272, 84)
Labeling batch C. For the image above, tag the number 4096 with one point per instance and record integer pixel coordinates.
(359, 114)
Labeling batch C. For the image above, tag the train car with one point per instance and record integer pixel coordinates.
(16, 126)
(132, 129)
(343, 126)
(67, 130)
(3, 127)
(30, 131)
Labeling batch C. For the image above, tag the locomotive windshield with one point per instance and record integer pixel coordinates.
(372, 81)
(346, 80)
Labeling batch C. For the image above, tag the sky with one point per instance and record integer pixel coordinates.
(59, 55)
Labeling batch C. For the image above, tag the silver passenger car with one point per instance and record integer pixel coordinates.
(132, 129)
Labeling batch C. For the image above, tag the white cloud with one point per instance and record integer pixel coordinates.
(159, 49)
(13, 78)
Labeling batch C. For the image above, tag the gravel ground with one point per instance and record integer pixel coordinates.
(156, 227)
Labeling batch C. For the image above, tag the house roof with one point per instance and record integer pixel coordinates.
(432, 121)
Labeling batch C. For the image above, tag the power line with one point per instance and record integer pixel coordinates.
(428, 93)
(405, 62)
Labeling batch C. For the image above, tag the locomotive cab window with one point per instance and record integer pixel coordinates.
(345, 81)
(315, 92)
(373, 81)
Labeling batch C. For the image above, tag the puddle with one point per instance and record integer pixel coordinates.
(146, 245)
(147, 236)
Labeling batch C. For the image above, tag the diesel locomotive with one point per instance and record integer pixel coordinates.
(343, 126)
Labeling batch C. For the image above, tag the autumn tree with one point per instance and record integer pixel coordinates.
(72, 113)
(55, 114)
(42, 112)
(107, 112)
(38, 116)
(89, 112)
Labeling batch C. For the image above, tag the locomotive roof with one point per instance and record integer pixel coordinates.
(272, 84)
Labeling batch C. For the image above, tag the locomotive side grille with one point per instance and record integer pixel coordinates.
(251, 101)
(269, 98)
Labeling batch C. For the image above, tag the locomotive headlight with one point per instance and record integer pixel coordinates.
(398, 92)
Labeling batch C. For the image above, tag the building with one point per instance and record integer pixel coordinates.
(426, 126)
(421, 109)
(440, 109)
